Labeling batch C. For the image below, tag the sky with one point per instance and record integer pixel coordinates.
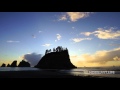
(92, 38)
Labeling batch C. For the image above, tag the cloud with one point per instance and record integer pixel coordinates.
(33, 58)
(11, 41)
(116, 58)
(107, 34)
(76, 40)
(74, 16)
(46, 45)
(87, 33)
(63, 17)
(98, 58)
(58, 36)
(40, 31)
(73, 27)
(104, 33)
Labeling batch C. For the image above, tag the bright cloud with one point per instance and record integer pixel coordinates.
(116, 58)
(80, 39)
(74, 16)
(87, 33)
(58, 36)
(40, 31)
(63, 17)
(104, 33)
(98, 58)
(11, 41)
(47, 45)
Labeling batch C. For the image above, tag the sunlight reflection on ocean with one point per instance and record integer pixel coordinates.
(85, 72)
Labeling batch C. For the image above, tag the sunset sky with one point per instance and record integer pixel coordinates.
(92, 38)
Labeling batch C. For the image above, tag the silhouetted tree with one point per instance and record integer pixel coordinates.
(61, 48)
(54, 50)
(46, 51)
(49, 50)
(57, 49)
(3, 65)
(66, 49)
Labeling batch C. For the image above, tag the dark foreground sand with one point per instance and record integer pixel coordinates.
(38, 74)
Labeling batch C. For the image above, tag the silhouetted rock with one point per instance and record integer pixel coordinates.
(24, 64)
(8, 65)
(56, 60)
(3, 65)
(14, 64)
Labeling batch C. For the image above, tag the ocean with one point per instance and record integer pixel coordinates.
(109, 72)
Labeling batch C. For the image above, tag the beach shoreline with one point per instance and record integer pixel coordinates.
(39, 74)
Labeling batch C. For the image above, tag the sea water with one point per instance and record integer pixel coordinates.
(110, 72)
(81, 71)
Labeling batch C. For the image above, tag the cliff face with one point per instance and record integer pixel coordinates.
(55, 60)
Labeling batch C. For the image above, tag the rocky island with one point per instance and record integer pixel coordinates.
(58, 59)
(23, 63)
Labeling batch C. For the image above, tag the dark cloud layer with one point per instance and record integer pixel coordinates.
(33, 58)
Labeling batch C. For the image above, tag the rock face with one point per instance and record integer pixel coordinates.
(14, 64)
(58, 59)
(24, 64)
(3, 65)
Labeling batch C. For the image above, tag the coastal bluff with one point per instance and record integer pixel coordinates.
(58, 59)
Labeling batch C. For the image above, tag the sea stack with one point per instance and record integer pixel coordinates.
(14, 64)
(58, 59)
(3, 65)
(24, 63)
(8, 65)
